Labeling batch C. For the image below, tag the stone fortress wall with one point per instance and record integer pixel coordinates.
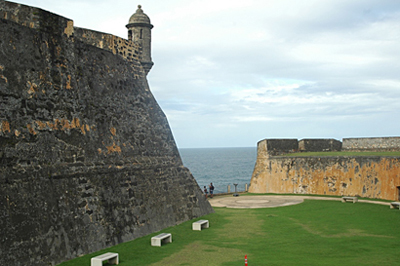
(34, 18)
(364, 176)
(87, 158)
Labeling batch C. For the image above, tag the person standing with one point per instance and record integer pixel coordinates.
(211, 190)
(205, 191)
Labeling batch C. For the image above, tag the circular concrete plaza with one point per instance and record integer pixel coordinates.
(267, 201)
(254, 201)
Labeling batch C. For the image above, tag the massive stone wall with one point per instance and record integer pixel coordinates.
(87, 158)
(372, 177)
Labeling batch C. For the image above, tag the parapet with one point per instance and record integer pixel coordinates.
(276, 147)
(317, 145)
(371, 144)
(48, 22)
(36, 18)
(129, 50)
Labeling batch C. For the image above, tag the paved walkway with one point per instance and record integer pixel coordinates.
(269, 201)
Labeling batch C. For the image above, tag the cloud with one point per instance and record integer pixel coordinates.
(229, 73)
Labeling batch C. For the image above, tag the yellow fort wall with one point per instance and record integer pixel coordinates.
(364, 176)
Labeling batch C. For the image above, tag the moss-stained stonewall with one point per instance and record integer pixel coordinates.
(87, 158)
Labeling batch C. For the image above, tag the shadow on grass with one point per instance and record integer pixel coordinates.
(312, 233)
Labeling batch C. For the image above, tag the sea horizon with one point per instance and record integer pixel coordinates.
(222, 166)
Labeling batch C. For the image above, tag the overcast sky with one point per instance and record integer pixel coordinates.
(231, 73)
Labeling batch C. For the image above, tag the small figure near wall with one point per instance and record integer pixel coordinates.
(205, 192)
(211, 190)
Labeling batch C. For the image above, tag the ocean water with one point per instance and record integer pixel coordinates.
(221, 166)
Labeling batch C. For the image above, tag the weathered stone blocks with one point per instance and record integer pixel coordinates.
(316, 145)
(372, 144)
(87, 158)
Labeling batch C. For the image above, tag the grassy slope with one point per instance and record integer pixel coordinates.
(343, 153)
(312, 233)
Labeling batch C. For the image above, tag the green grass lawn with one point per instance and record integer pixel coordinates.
(312, 233)
(343, 153)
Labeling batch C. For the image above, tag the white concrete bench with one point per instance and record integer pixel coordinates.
(200, 224)
(112, 258)
(354, 199)
(164, 237)
(394, 205)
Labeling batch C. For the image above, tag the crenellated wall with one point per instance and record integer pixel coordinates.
(363, 176)
(87, 158)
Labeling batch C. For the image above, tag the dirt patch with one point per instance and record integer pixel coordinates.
(193, 254)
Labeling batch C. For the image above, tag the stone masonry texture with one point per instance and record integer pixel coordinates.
(87, 158)
(311, 145)
(372, 144)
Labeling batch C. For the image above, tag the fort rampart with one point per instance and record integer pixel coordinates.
(371, 144)
(87, 158)
(45, 21)
(364, 176)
